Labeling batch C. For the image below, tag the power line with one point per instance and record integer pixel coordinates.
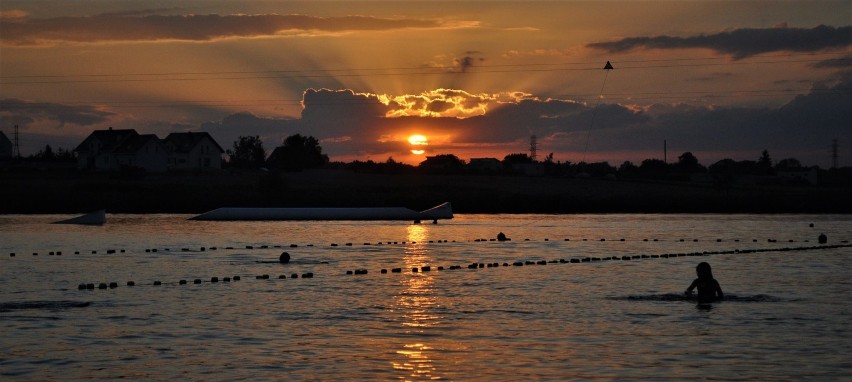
(379, 72)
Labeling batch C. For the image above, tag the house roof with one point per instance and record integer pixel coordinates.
(110, 139)
(185, 142)
(133, 144)
(4, 140)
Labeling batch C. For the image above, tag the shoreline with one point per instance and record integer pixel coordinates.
(69, 192)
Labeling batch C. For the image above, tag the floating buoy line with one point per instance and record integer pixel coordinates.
(88, 286)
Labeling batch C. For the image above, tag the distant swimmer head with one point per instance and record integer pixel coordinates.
(284, 258)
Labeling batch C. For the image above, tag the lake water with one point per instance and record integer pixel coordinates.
(601, 319)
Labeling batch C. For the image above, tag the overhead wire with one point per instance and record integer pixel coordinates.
(391, 71)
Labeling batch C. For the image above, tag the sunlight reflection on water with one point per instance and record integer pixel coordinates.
(534, 322)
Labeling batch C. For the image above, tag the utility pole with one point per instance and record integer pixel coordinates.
(665, 153)
(17, 143)
(834, 153)
(533, 148)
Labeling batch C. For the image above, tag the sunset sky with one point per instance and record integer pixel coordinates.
(476, 79)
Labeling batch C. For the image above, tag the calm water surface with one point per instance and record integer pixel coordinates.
(560, 321)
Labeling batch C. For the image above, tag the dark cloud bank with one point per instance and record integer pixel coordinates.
(743, 43)
(133, 27)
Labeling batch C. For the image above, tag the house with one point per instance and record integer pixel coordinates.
(193, 150)
(801, 176)
(95, 152)
(141, 151)
(5, 147)
(484, 165)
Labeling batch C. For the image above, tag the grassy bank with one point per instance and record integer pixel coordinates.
(70, 192)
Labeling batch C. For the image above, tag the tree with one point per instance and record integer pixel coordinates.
(518, 158)
(653, 168)
(248, 152)
(688, 163)
(627, 169)
(764, 163)
(788, 164)
(298, 153)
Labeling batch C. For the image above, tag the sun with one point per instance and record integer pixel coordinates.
(417, 141)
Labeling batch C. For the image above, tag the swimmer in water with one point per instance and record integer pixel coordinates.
(708, 288)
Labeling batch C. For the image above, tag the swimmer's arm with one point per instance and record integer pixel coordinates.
(719, 293)
(691, 287)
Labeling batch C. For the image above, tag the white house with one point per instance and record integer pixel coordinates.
(95, 152)
(141, 151)
(193, 150)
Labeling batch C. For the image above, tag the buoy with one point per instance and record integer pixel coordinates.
(90, 286)
(158, 283)
(282, 277)
(518, 264)
(197, 281)
(426, 268)
(113, 285)
(294, 276)
(308, 275)
(12, 254)
(414, 270)
(236, 278)
(822, 239)
(284, 258)
(102, 286)
(348, 272)
(81, 286)
(501, 236)
(131, 283)
(384, 271)
(226, 279)
(182, 282)
(214, 279)
(396, 270)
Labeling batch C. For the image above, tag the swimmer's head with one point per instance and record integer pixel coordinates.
(703, 270)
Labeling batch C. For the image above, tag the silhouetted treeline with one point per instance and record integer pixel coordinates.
(724, 173)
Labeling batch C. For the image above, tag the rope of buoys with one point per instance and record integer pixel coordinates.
(822, 239)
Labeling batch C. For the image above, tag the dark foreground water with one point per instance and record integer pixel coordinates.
(596, 319)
